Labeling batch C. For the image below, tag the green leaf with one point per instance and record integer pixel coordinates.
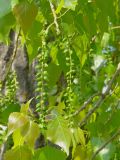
(6, 23)
(53, 53)
(19, 153)
(7, 110)
(25, 14)
(33, 39)
(52, 70)
(15, 121)
(49, 153)
(5, 7)
(59, 133)
(107, 152)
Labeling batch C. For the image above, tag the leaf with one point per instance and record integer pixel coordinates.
(25, 107)
(15, 121)
(107, 152)
(14, 2)
(80, 153)
(7, 111)
(80, 45)
(19, 153)
(49, 153)
(59, 133)
(32, 134)
(52, 70)
(25, 14)
(6, 23)
(27, 133)
(77, 138)
(78, 135)
(18, 139)
(5, 7)
(53, 53)
(34, 40)
(70, 4)
(105, 39)
(61, 4)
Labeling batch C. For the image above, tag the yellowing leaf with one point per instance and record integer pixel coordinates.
(32, 134)
(61, 4)
(19, 153)
(25, 107)
(17, 138)
(26, 134)
(77, 137)
(15, 121)
(80, 153)
(25, 14)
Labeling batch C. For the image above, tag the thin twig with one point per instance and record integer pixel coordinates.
(55, 17)
(102, 97)
(105, 144)
(86, 103)
(63, 14)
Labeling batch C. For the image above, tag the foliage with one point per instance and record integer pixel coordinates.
(75, 46)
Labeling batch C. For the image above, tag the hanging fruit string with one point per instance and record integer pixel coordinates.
(9, 95)
(11, 87)
(42, 82)
(69, 78)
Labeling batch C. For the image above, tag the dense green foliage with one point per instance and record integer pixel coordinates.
(76, 45)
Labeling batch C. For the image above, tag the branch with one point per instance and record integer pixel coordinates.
(105, 144)
(102, 97)
(21, 67)
(55, 18)
(11, 46)
(115, 27)
(13, 57)
(86, 103)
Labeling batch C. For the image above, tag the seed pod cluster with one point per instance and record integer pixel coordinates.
(42, 83)
(11, 87)
(69, 78)
(8, 92)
